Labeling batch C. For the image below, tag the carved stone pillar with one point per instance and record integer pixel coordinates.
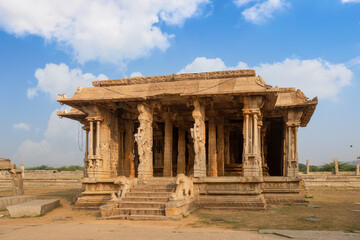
(181, 151)
(291, 157)
(262, 133)
(220, 147)
(144, 139)
(128, 166)
(357, 173)
(336, 165)
(307, 167)
(212, 167)
(198, 133)
(17, 182)
(97, 149)
(191, 155)
(90, 158)
(22, 170)
(87, 143)
(86, 157)
(168, 144)
(252, 166)
(91, 147)
(227, 146)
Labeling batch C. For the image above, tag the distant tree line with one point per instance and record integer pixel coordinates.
(328, 167)
(63, 168)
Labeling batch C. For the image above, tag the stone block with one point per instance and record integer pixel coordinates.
(13, 200)
(33, 208)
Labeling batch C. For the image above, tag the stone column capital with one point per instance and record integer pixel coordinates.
(94, 119)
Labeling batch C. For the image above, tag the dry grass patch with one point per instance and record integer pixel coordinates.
(335, 213)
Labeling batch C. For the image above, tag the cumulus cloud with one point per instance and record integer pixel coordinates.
(203, 64)
(262, 10)
(113, 31)
(350, 1)
(240, 3)
(135, 74)
(21, 126)
(58, 79)
(58, 147)
(316, 77)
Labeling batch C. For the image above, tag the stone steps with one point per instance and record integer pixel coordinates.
(146, 199)
(123, 204)
(148, 194)
(139, 211)
(144, 217)
(144, 189)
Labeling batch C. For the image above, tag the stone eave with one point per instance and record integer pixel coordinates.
(140, 92)
(308, 106)
(176, 77)
(74, 114)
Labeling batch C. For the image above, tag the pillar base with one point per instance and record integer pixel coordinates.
(251, 166)
(145, 174)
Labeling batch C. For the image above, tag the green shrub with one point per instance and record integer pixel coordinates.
(63, 168)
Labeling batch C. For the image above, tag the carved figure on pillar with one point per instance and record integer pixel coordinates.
(144, 139)
(198, 135)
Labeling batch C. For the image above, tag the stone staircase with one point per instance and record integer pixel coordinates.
(146, 200)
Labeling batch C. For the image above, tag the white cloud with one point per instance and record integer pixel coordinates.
(58, 79)
(350, 1)
(241, 3)
(58, 147)
(316, 77)
(262, 10)
(135, 74)
(21, 126)
(114, 31)
(203, 64)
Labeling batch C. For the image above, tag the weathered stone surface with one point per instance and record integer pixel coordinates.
(13, 200)
(33, 208)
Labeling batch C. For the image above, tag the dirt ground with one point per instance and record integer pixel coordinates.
(331, 208)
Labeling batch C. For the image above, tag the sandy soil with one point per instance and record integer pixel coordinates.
(335, 213)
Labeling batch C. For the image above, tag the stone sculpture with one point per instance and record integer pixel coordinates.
(124, 186)
(184, 188)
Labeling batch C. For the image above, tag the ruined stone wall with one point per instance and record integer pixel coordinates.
(45, 177)
(341, 173)
(344, 179)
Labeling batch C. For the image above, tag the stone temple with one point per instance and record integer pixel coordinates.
(230, 139)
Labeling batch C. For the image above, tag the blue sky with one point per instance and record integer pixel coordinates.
(51, 47)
